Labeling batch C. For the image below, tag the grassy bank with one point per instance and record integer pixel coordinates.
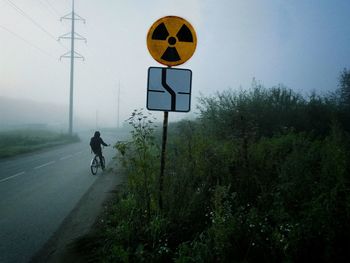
(23, 141)
(263, 175)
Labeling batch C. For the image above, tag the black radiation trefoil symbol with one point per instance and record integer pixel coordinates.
(161, 33)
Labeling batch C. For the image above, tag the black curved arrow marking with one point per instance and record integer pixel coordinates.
(168, 89)
(185, 34)
(160, 33)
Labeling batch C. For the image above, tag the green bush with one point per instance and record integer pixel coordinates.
(261, 176)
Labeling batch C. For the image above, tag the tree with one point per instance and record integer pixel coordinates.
(344, 88)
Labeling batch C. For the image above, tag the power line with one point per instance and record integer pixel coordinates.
(47, 8)
(27, 42)
(20, 11)
(50, 8)
(53, 8)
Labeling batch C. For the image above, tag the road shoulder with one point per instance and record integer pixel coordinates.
(80, 221)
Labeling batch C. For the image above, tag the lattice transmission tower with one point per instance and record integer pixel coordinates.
(72, 54)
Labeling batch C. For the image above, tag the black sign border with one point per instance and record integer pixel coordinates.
(148, 85)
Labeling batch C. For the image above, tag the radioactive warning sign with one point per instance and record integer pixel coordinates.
(171, 40)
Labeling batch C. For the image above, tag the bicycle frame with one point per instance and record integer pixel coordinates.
(97, 159)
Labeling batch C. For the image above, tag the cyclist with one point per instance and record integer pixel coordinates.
(95, 144)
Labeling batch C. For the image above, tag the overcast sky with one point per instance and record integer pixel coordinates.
(303, 44)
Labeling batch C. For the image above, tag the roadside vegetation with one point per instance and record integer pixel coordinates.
(262, 175)
(15, 142)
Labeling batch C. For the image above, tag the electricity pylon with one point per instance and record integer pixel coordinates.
(72, 54)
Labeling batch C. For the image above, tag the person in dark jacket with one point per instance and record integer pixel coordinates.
(95, 144)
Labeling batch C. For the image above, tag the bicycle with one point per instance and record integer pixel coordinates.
(95, 164)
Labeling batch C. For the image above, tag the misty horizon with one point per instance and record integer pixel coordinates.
(302, 45)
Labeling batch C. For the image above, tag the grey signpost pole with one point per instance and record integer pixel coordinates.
(162, 160)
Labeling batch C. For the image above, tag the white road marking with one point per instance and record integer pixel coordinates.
(11, 177)
(78, 153)
(45, 164)
(66, 157)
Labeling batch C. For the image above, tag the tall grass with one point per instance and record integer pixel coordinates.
(261, 176)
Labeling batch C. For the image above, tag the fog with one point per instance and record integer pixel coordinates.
(302, 44)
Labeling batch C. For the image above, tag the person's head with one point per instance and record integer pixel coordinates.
(97, 134)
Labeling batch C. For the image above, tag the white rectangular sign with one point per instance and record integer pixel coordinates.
(169, 89)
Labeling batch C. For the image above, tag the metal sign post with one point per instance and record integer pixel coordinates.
(171, 41)
(162, 158)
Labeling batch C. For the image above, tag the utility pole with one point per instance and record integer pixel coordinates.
(72, 54)
(118, 111)
(96, 120)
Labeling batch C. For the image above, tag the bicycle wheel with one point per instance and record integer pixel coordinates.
(94, 166)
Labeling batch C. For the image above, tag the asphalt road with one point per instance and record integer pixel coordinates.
(37, 192)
